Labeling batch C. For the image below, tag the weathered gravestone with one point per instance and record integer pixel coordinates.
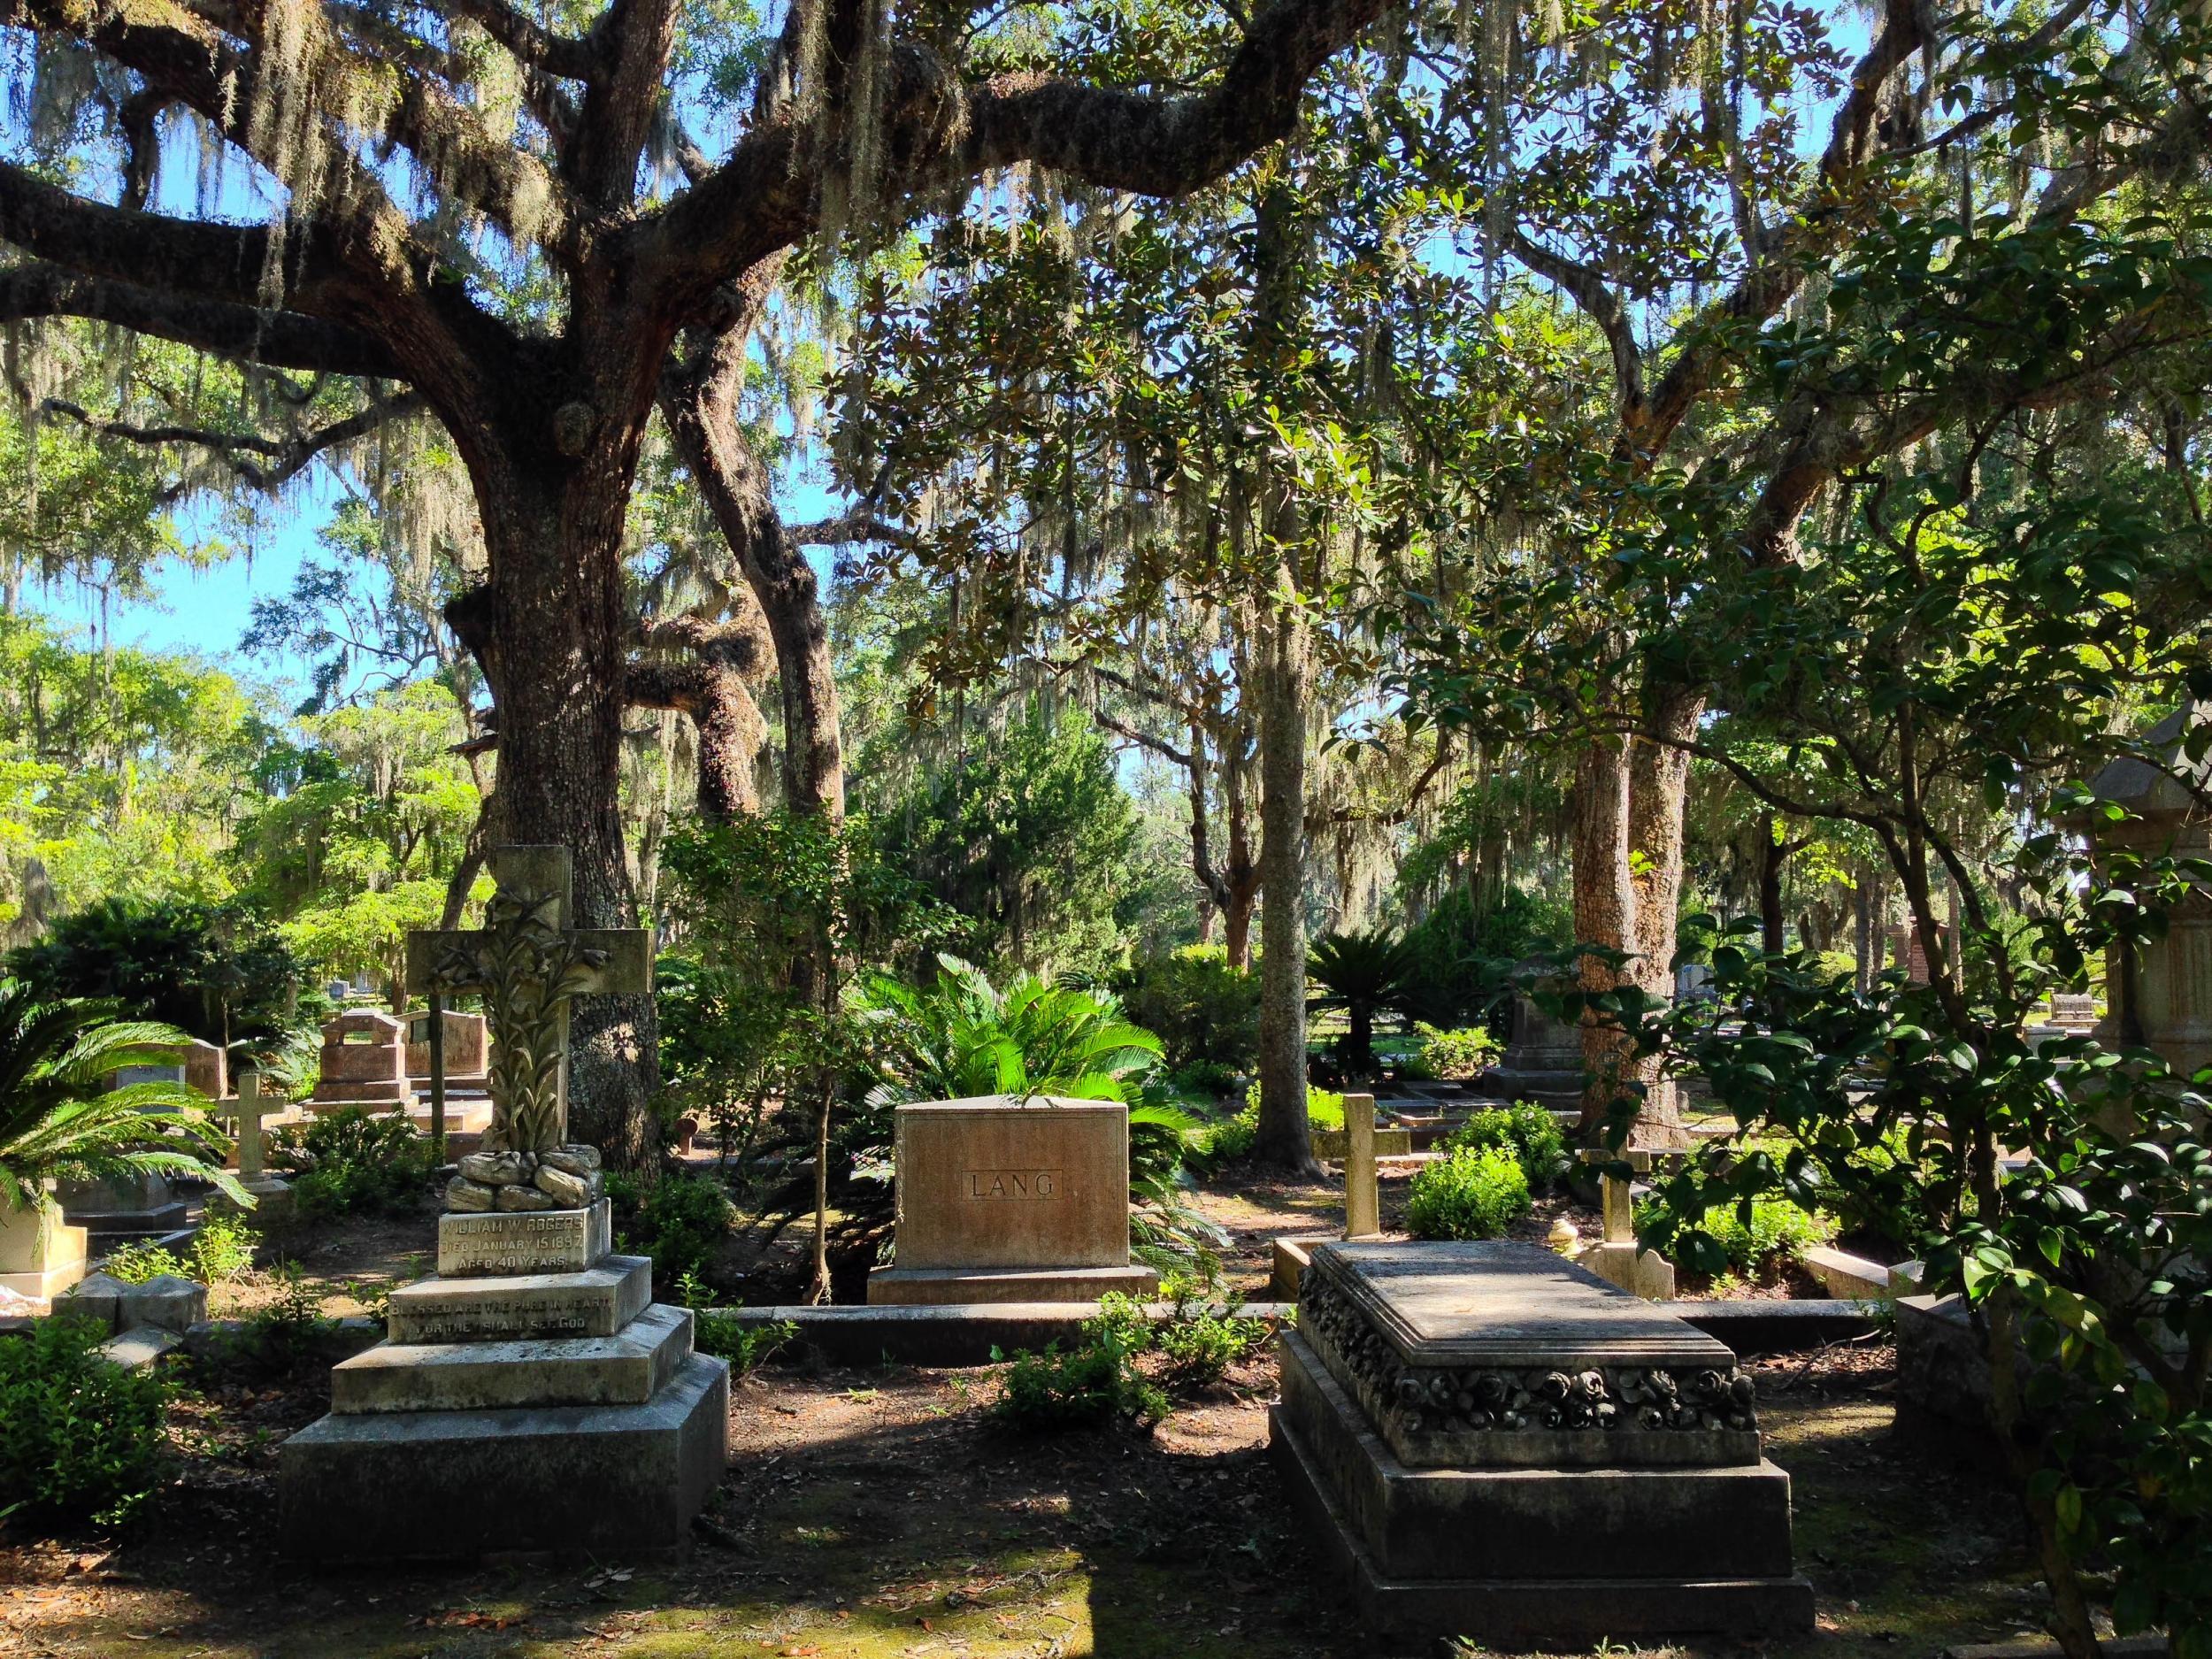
(1491, 1442)
(1542, 1061)
(1008, 1198)
(364, 1063)
(531, 1396)
(273, 1196)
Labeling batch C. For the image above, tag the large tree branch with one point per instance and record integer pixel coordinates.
(630, 41)
(282, 459)
(526, 42)
(218, 262)
(283, 340)
(1165, 146)
(1853, 142)
(1600, 304)
(762, 199)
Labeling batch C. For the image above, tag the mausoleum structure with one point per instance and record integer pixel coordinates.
(1004, 1198)
(1493, 1442)
(1542, 1061)
(532, 1396)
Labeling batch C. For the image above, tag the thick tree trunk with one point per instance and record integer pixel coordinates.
(549, 630)
(1285, 1138)
(1772, 856)
(1605, 907)
(1236, 925)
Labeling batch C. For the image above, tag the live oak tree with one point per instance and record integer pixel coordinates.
(416, 150)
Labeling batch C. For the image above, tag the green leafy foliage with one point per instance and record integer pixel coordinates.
(59, 1120)
(1458, 1054)
(84, 1435)
(1098, 1381)
(1752, 1236)
(1205, 1012)
(222, 1249)
(1031, 835)
(216, 971)
(681, 1221)
(1472, 1193)
(716, 1330)
(1530, 1133)
(347, 1161)
(1362, 973)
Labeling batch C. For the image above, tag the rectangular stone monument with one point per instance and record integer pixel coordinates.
(206, 1069)
(41, 1254)
(532, 1396)
(1492, 1443)
(466, 1049)
(1006, 1199)
(364, 1063)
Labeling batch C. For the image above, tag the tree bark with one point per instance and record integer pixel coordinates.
(700, 405)
(1605, 907)
(1285, 1137)
(1658, 794)
(549, 629)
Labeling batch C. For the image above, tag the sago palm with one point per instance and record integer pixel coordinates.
(58, 1120)
(1362, 974)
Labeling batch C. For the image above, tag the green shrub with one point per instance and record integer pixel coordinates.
(224, 1249)
(1472, 1193)
(1459, 1053)
(718, 1332)
(680, 1223)
(83, 1436)
(347, 1161)
(1203, 1011)
(1096, 1382)
(1532, 1134)
(1232, 1138)
(1777, 1232)
(1206, 1077)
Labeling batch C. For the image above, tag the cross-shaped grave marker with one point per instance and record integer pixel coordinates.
(529, 962)
(251, 1108)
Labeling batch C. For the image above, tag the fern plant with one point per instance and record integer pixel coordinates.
(58, 1120)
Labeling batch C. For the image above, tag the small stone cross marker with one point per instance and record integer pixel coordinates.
(251, 1108)
(529, 963)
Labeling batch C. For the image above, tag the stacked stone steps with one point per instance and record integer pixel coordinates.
(531, 1396)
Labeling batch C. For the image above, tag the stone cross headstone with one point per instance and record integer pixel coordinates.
(529, 963)
(252, 1107)
(1362, 1202)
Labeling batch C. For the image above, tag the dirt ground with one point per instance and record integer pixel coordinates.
(878, 1513)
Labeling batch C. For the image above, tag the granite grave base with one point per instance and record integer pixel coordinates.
(532, 1399)
(1492, 1443)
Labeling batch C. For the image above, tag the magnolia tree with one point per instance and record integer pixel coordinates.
(509, 218)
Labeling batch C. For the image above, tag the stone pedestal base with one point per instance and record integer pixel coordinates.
(40, 1255)
(940, 1286)
(561, 1480)
(1527, 1555)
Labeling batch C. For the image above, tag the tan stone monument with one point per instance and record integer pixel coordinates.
(1010, 1199)
(365, 1063)
(273, 1196)
(41, 1254)
(532, 1396)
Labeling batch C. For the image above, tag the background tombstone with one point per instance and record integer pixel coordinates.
(365, 1063)
(1542, 1062)
(204, 1069)
(2158, 994)
(1007, 1198)
(41, 1254)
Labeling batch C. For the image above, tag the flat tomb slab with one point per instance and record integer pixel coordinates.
(999, 1181)
(1500, 1355)
(1529, 1557)
(628, 1367)
(568, 1480)
(594, 1302)
(940, 1285)
(494, 1242)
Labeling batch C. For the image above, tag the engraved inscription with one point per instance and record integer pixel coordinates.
(1015, 1185)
